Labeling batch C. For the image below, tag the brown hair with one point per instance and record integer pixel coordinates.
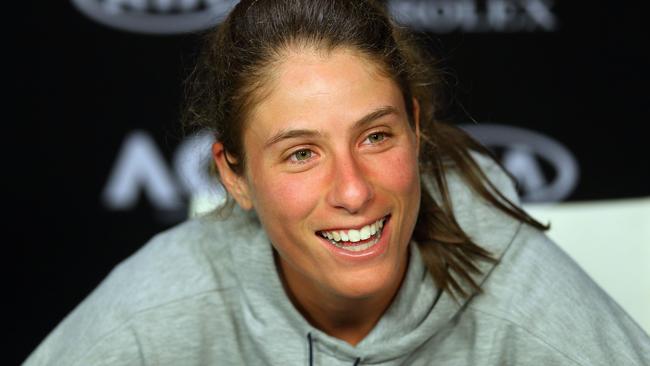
(234, 66)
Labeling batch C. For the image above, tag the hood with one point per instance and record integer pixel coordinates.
(419, 312)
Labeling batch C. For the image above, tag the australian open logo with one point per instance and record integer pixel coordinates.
(156, 16)
(546, 171)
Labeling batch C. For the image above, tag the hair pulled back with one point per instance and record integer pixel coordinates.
(236, 64)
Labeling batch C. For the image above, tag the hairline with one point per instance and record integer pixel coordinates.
(263, 86)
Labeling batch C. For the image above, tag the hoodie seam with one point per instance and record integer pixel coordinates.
(529, 332)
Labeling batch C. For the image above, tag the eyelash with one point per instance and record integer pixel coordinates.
(292, 160)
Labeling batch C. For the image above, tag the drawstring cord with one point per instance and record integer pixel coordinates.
(311, 352)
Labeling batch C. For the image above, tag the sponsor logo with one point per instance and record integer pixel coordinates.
(440, 16)
(140, 168)
(443, 16)
(156, 16)
(546, 171)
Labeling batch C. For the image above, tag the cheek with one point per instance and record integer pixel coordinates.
(286, 198)
(284, 204)
(398, 172)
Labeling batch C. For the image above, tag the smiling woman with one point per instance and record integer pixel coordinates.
(336, 154)
(367, 231)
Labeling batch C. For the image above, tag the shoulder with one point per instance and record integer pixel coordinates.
(178, 270)
(536, 292)
(539, 291)
(185, 260)
(188, 259)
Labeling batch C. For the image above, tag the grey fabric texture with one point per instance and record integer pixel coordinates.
(207, 292)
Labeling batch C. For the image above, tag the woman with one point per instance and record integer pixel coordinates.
(366, 231)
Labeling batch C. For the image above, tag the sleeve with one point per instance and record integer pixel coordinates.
(66, 346)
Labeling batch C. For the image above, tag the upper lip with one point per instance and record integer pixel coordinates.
(354, 227)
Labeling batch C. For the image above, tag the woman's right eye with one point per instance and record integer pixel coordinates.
(301, 156)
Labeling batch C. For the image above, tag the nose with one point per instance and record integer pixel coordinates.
(350, 189)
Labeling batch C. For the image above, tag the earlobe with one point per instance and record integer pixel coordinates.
(235, 184)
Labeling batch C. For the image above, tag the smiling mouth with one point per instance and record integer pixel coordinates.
(356, 240)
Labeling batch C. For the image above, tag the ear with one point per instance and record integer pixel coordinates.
(236, 185)
(416, 122)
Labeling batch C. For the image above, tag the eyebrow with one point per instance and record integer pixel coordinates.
(365, 120)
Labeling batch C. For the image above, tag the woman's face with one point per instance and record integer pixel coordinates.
(332, 173)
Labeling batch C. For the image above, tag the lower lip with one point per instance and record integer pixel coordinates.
(364, 255)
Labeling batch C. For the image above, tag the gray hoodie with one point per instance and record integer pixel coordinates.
(207, 292)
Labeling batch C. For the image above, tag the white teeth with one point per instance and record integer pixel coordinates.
(354, 235)
(360, 247)
(364, 233)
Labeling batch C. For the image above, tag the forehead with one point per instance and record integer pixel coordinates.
(315, 88)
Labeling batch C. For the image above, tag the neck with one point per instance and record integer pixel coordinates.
(344, 318)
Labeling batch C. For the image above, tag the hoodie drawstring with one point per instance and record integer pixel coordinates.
(311, 352)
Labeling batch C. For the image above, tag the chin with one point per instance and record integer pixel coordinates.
(369, 283)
